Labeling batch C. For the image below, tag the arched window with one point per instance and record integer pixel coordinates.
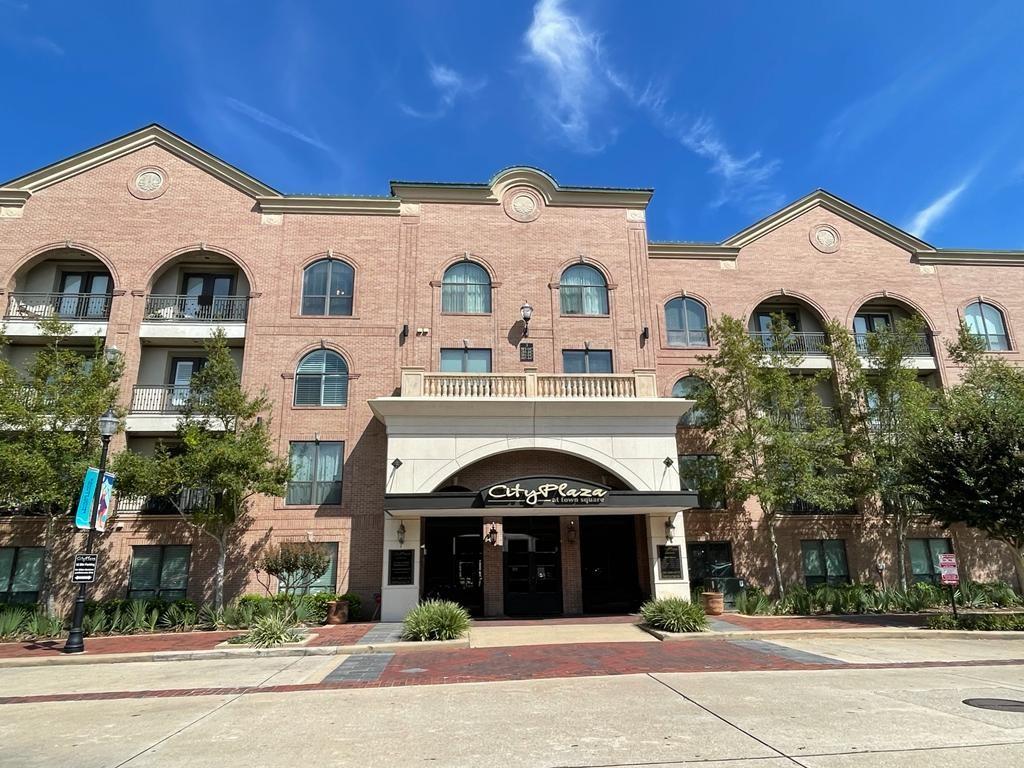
(327, 288)
(686, 321)
(583, 291)
(986, 322)
(466, 289)
(321, 379)
(689, 388)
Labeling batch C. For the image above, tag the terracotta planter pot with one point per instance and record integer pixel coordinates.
(713, 603)
(337, 612)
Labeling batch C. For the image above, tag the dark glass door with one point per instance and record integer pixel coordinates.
(711, 568)
(533, 566)
(453, 561)
(206, 295)
(608, 560)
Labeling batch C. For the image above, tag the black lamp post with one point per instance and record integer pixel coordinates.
(76, 640)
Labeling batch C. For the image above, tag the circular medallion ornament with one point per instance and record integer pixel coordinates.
(825, 238)
(148, 183)
(522, 204)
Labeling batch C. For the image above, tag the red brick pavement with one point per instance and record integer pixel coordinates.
(869, 621)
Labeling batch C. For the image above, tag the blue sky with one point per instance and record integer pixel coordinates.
(912, 110)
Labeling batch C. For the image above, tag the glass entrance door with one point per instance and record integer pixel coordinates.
(453, 567)
(533, 566)
(202, 293)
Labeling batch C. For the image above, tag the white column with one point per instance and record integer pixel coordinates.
(397, 600)
(657, 535)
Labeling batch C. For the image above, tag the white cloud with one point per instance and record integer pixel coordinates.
(450, 84)
(270, 121)
(934, 211)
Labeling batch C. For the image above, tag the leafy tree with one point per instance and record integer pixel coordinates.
(224, 457)
(883, 405)
(50, 433)
(775, 438)
(295, 564)
(970, 464)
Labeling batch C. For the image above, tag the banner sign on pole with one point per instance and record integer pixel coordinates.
(106, 499)
(949, 575)
(83, 515)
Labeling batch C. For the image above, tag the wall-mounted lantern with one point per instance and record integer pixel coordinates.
(527, 312)
(491, 537)
(400, 533)
(570, 532)
(670, 529)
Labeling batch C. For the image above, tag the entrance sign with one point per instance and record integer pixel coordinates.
(400, 567)
(949, 575)
(83, 514)
(534, 491)
(84, 571)
(670, 562)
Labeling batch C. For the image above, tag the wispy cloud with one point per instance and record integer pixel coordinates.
(932, 213)
(276, 124)
(449, 84)
(46, 45)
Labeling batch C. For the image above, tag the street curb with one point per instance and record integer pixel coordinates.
(233, 653)
(801, 634)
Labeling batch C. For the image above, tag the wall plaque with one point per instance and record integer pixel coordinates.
(670, 561)
(526, 352)
(534, 491)
(400, 567)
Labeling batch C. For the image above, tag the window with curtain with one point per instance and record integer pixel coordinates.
(321, 379)
(986, 322)
(689, 388)
(316, 472)
(586, 361)
(328, 286)
(328, 582)
(460, 360)
(686, 321)
(159, 571)
(466, 289)
(699, 473)
(924, 558)
(21, 574)
(824, 562)
(583, 291)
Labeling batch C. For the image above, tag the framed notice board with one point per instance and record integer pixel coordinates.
(670, 561)
(400, 567)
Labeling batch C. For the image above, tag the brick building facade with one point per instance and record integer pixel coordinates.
(151, 243)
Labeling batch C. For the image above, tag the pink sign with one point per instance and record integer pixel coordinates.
(948, 573)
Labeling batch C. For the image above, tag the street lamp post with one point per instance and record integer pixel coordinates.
(76, 640)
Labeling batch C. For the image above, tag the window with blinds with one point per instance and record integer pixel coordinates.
(21, 574)
(321, 379)
(329, 581)
(159, 571)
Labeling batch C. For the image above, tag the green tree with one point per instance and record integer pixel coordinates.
(970, 464)
(883, 406)
(776, 439)
(50, 433)
(224, 457)
(295, 564)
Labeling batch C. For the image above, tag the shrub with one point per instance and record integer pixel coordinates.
(180, 617)
(295, 564)
(436, 620)
(982, 622)
(12, 623)
(40, 624)
(753, 601)
(673, 614)
(798, 600)
(273, 630)
(355, 605)
(1002, 594)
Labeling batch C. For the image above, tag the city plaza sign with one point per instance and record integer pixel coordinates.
(537, 491)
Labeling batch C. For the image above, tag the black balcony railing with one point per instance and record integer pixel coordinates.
(66, 306)
(159, 398)
(796, 343)
(188, 500)
(802, 507)
(197, 309)
(920, 345)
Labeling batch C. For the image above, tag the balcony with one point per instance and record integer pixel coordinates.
(921, 350)
(87, 313)
(156, 409)
(800, 507)
(185, 501)
(175, 316)
(799, 343)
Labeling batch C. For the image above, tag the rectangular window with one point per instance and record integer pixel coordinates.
(159, 571)
(586, 361)
(316, 472)
(924, 558)
(329, 581)
(825, 562)
(21, 574)
(698, 473)
(465, 360)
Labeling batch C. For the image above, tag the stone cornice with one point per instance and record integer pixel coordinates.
(366, 206)
(14, 198)
(971, 258)
(711, 251)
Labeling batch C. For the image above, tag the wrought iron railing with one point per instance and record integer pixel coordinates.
(159, 399)
(185, 501)
(920, 345)
(802, 507)
(795, 343)
(196, 309)
(66, 306)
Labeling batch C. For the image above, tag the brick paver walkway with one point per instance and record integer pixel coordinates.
(774, 623)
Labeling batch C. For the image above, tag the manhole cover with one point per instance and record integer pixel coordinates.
(999, 705)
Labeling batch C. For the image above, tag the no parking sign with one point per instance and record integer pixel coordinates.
(949, 576)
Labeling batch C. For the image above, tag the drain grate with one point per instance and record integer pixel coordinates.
(999, 705)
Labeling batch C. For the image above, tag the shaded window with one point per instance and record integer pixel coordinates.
(466, 289)
(699, 473)
(985, 321)
(824, 562)
(21, 574)
(583, 291)
(586, 361)
(159, 571)
(686, 321)
(328, 582)
(689, 388)
(321, 379)
(327, 288)
(924, 558)
(465, 360)
(316, 472)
